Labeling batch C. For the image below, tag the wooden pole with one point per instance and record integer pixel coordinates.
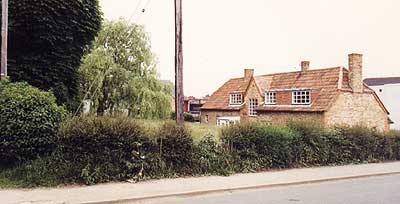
(179, 95)
(4, 38)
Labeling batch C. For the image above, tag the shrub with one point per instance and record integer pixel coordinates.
(394, 137)
(211, 158)
(259, 146)
(311, 148)
(103, 149)
(360, 143)
(188, 117)
(176, 147)
(29, 119)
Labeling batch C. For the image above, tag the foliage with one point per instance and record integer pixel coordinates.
(188, 117)
(40, 172)
(260, 146)
(311, 147)
(29, 119)
(47, 39)
(176, 147)
(212, 158)
(119, 74)
(103, 148)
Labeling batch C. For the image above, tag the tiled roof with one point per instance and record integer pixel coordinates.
(220, 99)
(382, 81)
(325, 81)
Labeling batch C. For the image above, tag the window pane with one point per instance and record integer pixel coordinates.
(301, 97)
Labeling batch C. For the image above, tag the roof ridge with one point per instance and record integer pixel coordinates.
(310, 70)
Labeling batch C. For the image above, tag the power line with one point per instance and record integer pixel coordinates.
(143, 10)
(134, 12)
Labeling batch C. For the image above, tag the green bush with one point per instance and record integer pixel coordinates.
(211, 158)
(259, 146)
(29, 119)
(176, 147)
(102, 149)
(311, 148)
(188, 117)
(359, 143)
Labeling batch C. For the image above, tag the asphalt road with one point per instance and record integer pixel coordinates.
(374, 190)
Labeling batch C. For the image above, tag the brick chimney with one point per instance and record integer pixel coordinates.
(305, 65)
(355, 74)
(248, 73)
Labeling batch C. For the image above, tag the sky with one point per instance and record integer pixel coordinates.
(223, 37)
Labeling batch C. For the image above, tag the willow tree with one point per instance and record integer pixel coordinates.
(47, 39)
(120, 73)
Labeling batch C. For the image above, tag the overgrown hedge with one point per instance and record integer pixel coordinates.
(101, 149)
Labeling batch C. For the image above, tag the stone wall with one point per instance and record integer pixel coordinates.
(281, 118)
(357, 109)
(251, 93)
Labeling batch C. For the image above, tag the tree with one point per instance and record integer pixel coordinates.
(119, 74)
(47, 39)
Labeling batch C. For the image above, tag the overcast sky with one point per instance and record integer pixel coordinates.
(222, 37)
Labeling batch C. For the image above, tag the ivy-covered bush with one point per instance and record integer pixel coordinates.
(29, 120)
(47, 39)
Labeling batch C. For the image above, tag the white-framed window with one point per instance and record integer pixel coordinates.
(301, 97)
(235, 99)
(270, 98)
(228, 120)
(253, 103)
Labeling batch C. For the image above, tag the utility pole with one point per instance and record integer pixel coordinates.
(4, 38)
(179, 95)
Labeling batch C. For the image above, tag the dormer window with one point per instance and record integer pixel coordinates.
(235, 99)
(301, 97)
(270, 98)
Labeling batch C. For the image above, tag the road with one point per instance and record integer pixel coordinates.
(374, 190)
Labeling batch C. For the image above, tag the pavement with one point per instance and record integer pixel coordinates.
(367, 190)
(129, 192)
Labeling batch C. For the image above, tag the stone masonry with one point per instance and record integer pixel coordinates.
(357, 109)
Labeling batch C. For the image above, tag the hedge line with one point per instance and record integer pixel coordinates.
(101, 149)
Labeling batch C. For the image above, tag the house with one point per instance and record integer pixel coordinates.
(388, 89)
(193, 105)
(331, 95)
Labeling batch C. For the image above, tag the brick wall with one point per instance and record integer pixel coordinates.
(357, 109)
(285, 97)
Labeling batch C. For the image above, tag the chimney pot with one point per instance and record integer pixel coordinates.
(305, 65)
(355, 72)
(248, 73)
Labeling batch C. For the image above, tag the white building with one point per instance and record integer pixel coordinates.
(388, 90)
